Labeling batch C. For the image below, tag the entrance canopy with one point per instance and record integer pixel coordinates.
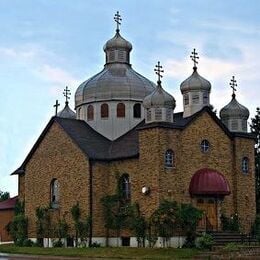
(208, 182)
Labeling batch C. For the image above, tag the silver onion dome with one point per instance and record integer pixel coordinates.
(234, 110)
(67, 112)
(159, 98)
(195, 82)
(117, 81)
(117, 42)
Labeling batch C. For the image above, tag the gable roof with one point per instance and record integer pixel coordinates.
(180, 122)
(9, 203)
(94, 145)
(97, 147)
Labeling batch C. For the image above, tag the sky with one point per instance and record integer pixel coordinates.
(47, 45)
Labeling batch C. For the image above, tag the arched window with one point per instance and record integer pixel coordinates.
(120, 110)
(54, 193)
(90, 113)
(104, 111)
(245, 165)
(125, 188)
(137, 110)
(169, 158)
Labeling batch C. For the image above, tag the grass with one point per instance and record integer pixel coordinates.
(105, 252)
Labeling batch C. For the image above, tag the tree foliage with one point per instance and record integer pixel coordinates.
(255, 128)
(4, 195)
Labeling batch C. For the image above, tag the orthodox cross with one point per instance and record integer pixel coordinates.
(56, 107)
(158, 70)
(66, 94)
(233, 85)
(118, 20)
(194, 56)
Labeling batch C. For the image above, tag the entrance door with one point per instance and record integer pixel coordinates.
(209, 220)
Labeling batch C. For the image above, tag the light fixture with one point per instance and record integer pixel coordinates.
(145, 190)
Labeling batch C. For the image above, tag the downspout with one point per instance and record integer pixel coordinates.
(90, 202)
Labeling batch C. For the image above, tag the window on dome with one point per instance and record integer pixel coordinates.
(90, 113)
(245, 165)
(195, 98)
(137, 110)
(244, 125)
(158, 114)
(234, 125)
(120, 110)
(168, 115)
(111, 56)
(125, 187)
(204, 146)
(54, 193)
(149, 115)
(79, 111)
(121, 55)
(205, 98)
(169, 158)
(104, 111)
(186, 99)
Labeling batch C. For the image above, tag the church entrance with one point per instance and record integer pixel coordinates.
(209, 221)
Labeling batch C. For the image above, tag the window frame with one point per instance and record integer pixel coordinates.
(104, 111)
(90, 113)
(137, 110)
(205, 146)
(125, 187)
(169, 159)
(54, 193)
(120, 110)
(245, 165)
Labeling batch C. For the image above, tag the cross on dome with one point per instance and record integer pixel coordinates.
(194, 56)
(117, 19)
(56, 107)
(66, 94)
(158, 70)
(233, 85)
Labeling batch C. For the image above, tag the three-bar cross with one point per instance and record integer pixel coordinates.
(233, 85)
(158, 70)
(118, 20)
(194, 56)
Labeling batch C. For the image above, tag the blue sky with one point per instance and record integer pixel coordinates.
(46, 45)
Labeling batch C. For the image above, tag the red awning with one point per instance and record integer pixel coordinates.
(208, 182)
(9, 203)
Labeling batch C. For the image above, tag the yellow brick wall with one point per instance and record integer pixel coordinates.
(56, 157)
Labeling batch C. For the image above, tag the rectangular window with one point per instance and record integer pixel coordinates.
(186, 99)
(149, 115)
(205, 98)
(195, 98)
(121, 55)
(234, 125)
(168, 115)
(158, 114)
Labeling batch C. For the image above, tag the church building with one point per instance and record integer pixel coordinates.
(124, 125)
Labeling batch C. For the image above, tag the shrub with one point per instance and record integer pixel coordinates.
(95, 244)
(204, 242)
(256, 228)
(230, 224)
(231, 247)
(27, 243)
(57, 243)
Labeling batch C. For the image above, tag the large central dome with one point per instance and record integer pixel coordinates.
(111, 101)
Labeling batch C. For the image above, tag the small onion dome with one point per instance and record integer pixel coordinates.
(67, 112)
(159, 98)
(118, 42)
(195, 82)
(234, 110)
(208, 182)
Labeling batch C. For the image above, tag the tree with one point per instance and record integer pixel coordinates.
(4, 195)
(255, 129)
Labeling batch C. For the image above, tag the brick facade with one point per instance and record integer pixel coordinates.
(5, 217)
(57, 156)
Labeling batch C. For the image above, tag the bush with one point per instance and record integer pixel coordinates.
(57, 243)
(231, 247)
(95, 244)
(27, 243)
(204, 242)
(256, 228)
(230, 224)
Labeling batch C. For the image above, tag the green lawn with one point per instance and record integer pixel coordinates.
(122, 252)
